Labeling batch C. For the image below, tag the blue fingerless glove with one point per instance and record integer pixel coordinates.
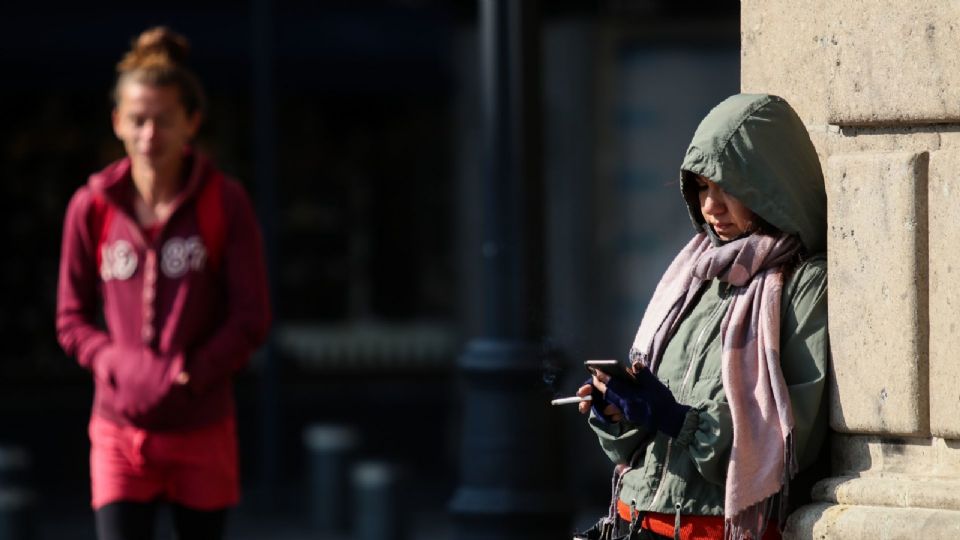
(598, 403)
(668, 414)
(630, 399)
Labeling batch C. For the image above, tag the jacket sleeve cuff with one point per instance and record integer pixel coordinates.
(99, 359)
(707, 435)
(91, 355)
(618, 440)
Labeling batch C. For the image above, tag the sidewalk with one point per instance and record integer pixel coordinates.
(61, 513)
(79, 525)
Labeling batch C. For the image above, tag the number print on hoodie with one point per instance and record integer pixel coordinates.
(177, 256)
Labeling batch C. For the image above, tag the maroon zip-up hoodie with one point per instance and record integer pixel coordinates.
(166, 309)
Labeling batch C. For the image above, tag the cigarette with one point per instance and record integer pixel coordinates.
(572, 399)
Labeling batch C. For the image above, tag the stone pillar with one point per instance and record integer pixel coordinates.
(510, 481)
(878, 85)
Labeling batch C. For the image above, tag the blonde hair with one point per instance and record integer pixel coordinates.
(157, 57)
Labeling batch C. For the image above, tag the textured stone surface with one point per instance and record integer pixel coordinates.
(786, 50)
(896, 480)
(861, 455)
(893, 490)
(879, 62)
(810, 521)
(876, 78)
(842, 522)
(944, 293)
(897, 62)
(878, 281)
(950, 138)
(877, 455)
(861, 139)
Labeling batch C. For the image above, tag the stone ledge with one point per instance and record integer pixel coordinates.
(890, 490)
(872, 455)
(824, 521)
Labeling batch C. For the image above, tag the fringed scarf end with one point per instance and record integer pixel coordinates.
(752, 522)
(790, 469)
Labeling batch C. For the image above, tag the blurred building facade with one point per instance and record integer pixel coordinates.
(375, 159)
(364, 266)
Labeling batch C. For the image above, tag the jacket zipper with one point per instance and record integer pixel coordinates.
(696, 348)
(682, 393)
(663, 475)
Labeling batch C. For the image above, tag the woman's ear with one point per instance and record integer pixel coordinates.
(193, 123)
(115, 122)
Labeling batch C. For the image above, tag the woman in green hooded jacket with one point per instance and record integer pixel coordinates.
(726, 399)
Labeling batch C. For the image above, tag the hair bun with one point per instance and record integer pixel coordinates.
(157, 45)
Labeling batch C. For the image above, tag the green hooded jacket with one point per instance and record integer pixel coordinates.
(758, 150)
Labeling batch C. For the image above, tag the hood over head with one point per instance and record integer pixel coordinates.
(756, 148)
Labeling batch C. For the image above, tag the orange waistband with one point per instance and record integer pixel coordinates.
(691, 527)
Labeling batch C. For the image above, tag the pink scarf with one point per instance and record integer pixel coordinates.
(761, 459)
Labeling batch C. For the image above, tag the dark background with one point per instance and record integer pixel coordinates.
(372, 129)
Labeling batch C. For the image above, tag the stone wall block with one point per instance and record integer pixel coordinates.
(877, 215)
(945, 293)
(893, 490)
(788, 52)
(849, 63)
(826, 521)
(949, 137)
(864, 455)
(898, 62)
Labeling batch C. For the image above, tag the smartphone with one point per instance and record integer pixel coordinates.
(613, 368)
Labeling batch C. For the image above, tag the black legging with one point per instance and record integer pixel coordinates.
(136, 521)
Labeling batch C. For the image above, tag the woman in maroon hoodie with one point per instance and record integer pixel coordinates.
(170, 250)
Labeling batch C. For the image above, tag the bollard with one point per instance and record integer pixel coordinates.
(378, 513)
(329, 448)
(16, 497)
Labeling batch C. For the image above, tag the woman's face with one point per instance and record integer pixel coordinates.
(152, 123)
(722, 211)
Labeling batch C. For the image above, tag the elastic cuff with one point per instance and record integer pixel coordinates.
(610, 430)
(89, 358)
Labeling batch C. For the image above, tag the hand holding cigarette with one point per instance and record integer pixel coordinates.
(585, 396)
(571, 399)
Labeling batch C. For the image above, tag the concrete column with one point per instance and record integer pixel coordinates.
(330, 449)
(509, 483)
(378, 502)
(878, 85)
(17, 498)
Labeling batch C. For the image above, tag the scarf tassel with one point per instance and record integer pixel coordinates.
(752, 522)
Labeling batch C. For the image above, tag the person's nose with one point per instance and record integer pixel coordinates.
(149, 130)
(713, 203)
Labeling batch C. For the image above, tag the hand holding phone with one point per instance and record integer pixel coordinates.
(611, 368)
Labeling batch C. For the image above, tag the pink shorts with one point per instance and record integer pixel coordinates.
(197, 469)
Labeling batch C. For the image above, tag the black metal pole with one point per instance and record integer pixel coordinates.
(265, 171)
(510, 460)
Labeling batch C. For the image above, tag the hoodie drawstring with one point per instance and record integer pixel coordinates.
(676, 523)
